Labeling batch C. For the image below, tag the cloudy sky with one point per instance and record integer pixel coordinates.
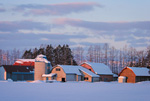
(30, 23)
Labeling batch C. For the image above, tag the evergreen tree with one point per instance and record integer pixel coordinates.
(27, 54)
(50, 54)
(34, 53)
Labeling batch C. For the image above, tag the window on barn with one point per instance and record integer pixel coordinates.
(86, 78)
(90, 69)
(57, 69)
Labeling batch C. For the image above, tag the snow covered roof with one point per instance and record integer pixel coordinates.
(41, 58)
(140, 71)
(100, 68)
(69, 69)
(49, 75)
(21, 61)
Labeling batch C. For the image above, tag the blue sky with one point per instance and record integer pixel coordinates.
(30, 23)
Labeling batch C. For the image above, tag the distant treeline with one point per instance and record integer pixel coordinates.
(59, 55)
(116, 59)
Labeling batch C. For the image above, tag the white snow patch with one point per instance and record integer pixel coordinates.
(73, 91)
(41, 58)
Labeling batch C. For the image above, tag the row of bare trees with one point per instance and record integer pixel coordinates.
(114, 58)
(8, 57)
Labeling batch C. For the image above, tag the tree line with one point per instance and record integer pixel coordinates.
(114, 58)
(59, 55)
(8, 57)
(63, 55)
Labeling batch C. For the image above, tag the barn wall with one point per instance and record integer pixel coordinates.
(142, 78)
(87, 67)
(106, 78)
(2, 73)
(131, 78)
(95, 79)
(79, 78)
(70, 77)
(87, 76)
(60, 74)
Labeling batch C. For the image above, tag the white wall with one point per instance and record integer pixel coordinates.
(2, 71)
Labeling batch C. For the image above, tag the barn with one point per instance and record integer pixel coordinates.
(74, 73)
(19, 73)
(135, 74)
(100, 69)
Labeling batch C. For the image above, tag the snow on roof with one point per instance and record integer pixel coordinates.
(41, 58)
(49, 75)
(140, 71)
(25, 60)
(69, 69)
(100, 68)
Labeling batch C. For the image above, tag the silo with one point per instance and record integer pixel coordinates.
(41, 66)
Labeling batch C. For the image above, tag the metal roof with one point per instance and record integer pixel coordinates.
(13, 68)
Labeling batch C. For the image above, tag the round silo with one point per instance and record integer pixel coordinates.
(41, 67)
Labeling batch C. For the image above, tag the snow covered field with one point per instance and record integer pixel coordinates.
(74, 91)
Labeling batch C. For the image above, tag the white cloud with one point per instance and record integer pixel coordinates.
(101, 39)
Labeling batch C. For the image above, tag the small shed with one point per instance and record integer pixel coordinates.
(100, 69)
(122, 79)
(74, 73)
(51, 76)
(135, 74)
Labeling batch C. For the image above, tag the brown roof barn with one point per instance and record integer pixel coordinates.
(100, 69)
(135, 74)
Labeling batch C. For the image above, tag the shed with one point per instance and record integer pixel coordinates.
(74, 73)
(19, 73)
(100, 69)
(51, 76)
(122, 79)
(135, 74)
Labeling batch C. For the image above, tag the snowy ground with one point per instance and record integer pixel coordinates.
(74, 91)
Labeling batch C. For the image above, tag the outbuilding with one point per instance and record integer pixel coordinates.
(100, 69)
(74, 73)
(135, 74)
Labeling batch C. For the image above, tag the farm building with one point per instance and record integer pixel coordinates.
(135, 74)
(72, 73)
(100, 69)
(19, 73)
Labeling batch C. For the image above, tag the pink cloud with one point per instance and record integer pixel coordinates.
(104, 26)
